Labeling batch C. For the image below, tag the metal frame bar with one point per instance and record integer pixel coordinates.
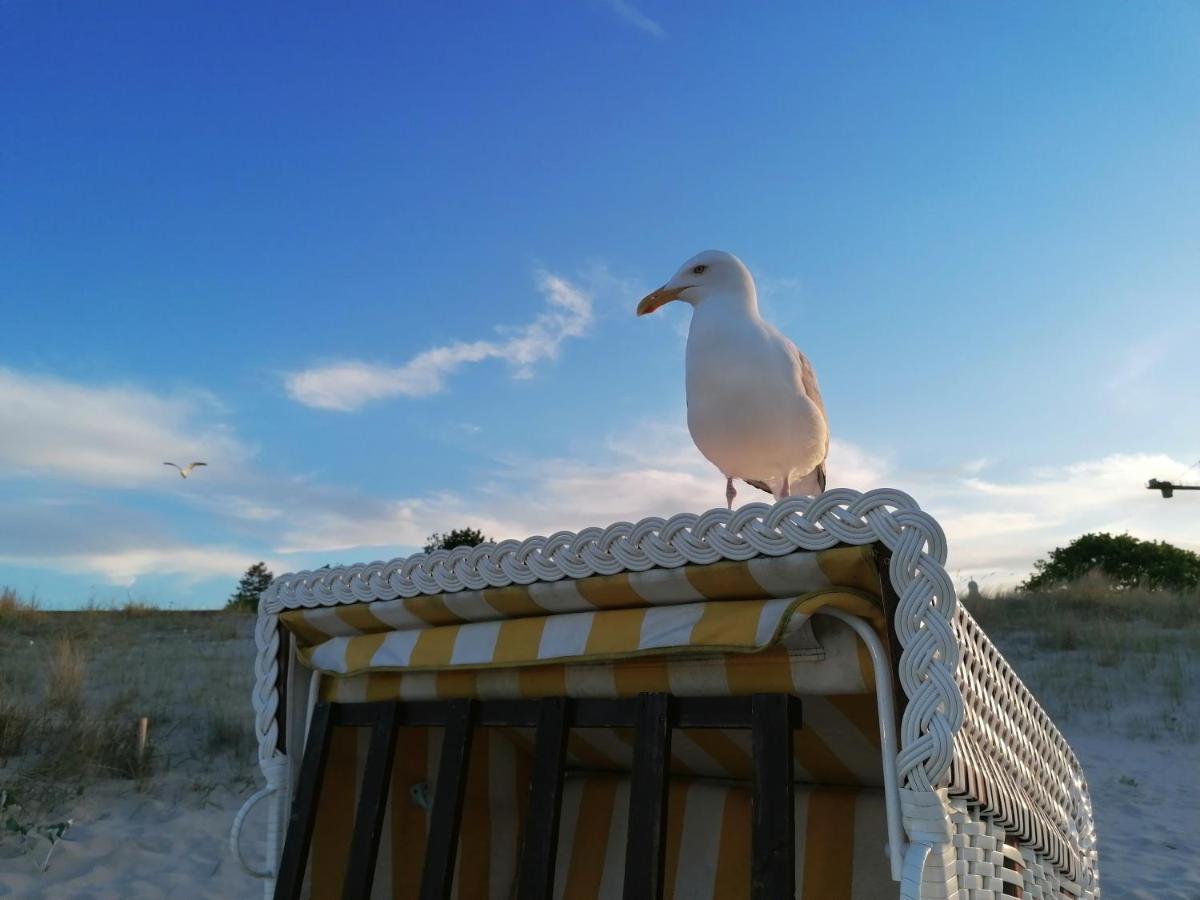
(888, 740)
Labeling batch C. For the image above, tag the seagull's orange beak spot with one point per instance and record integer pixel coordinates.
(662, 296)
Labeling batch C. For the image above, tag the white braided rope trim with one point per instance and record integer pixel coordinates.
(842, 516)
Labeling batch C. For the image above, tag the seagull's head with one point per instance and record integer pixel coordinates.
(711, 274)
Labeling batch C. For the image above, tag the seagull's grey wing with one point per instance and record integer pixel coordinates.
(170, 464)
(193, 465)
(808, 379)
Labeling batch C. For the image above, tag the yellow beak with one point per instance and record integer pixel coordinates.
(658, 298)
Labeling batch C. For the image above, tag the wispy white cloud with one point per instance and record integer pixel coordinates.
(114, 436)
(350, 385)
(188, 561)
(61, 436)
(631, 15)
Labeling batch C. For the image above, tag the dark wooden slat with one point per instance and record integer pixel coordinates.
(772, 867)
(437, 879)
(689, 712)
(366, 715)
(646, 837)
(372, 801)
(536, 879)
(711, 712)
(304, 808)
(282, 658)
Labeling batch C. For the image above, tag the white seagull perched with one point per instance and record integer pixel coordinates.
(185, 471)
(753, 405)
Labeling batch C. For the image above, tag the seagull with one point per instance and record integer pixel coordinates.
(753, 405)
(185, 471)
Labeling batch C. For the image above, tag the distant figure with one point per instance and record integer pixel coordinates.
(753, 405)
(972, 590)
(186, 470)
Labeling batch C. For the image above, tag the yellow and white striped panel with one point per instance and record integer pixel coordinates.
(766, 577)
(840, 841)
(840, 832)
(492, 818)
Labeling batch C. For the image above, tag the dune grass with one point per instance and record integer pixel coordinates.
(74, 684)
(13, 605)
(1125, 660)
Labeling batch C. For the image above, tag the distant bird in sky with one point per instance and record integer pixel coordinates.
(185, 471)
(753, 405)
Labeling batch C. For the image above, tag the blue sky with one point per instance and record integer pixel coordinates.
(378, 267)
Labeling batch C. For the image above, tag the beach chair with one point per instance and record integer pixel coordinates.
(782, 700)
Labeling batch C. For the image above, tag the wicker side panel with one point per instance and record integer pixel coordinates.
(990, 862)
(1012, 760)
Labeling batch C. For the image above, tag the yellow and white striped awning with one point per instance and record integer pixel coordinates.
(723, 628)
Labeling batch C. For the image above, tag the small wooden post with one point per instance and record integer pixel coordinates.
(139, 742)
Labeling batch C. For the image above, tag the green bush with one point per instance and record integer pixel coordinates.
(1125, 561)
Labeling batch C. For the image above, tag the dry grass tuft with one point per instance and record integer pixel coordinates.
(138, 608)
(1064, 614)
(229, 734)
(65, 675)
(13, 604)
(17, 722)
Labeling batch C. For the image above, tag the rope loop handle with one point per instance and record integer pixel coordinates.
(235, 833)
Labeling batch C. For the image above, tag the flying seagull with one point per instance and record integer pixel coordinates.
(753, 405)
(185, 471)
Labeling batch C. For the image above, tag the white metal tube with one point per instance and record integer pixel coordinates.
(889, 746)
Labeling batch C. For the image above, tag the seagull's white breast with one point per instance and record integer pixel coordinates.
(747, 409)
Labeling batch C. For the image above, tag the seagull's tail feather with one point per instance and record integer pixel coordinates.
(821, 476)
(761, 485)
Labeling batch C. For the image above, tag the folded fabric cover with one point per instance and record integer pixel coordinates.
(729, 627)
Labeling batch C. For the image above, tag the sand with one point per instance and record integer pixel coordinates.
(172, 841)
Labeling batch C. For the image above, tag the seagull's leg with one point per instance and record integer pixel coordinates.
(730, 492)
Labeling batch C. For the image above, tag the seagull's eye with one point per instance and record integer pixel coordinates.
(698, 270)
